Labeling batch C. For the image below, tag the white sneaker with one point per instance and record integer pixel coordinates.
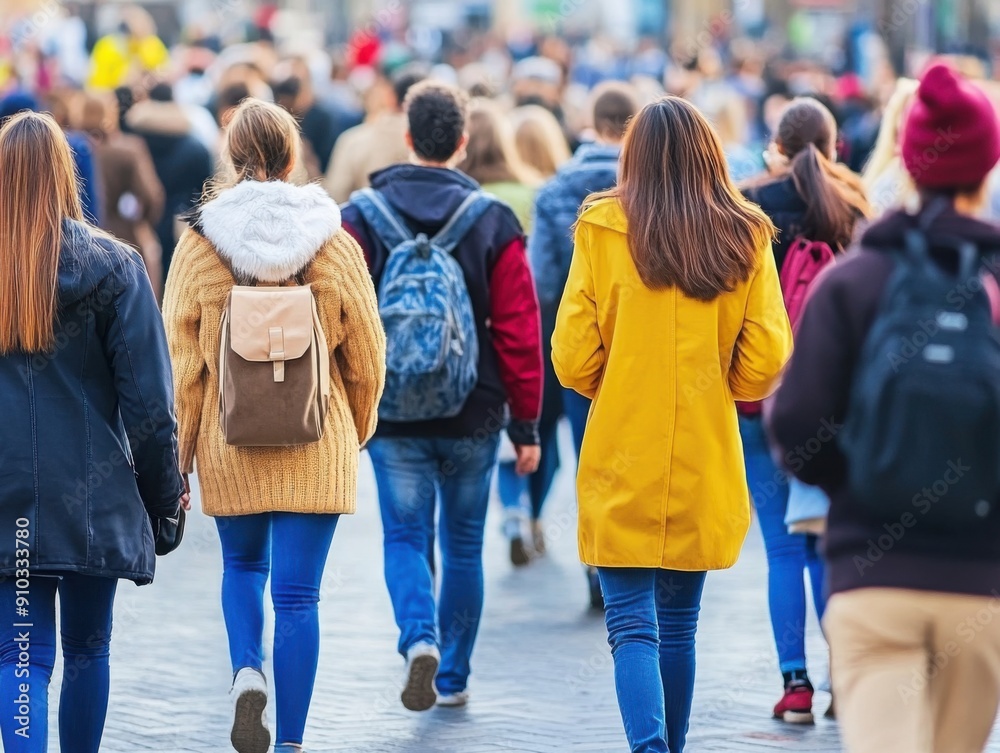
(422, 661)
(249, 733)
(454, 700)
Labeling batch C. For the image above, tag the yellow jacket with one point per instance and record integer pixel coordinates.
(661, 482)
(116, 59)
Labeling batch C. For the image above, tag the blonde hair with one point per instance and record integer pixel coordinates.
(491, 155)
(262, 143)
(539, 138)
(39, 192)
(886, 148)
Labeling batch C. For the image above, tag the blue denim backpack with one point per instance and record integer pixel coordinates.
(432, 349)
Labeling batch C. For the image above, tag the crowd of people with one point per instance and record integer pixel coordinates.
(437, 265)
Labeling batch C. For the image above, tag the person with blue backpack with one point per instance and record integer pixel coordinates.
(464, 361)
(891, 404)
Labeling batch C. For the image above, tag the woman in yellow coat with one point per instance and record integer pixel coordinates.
(672, 312)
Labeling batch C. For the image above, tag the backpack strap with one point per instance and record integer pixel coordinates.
(469, 212)
(381, 218)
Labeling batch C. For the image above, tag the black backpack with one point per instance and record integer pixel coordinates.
(922, 434)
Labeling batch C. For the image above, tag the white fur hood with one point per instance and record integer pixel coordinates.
(269, 231)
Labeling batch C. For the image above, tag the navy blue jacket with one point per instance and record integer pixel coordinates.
(498, 277)
(88, 447)
(593, 168)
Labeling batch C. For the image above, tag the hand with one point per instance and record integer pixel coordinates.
(185, 500)
(528, 458)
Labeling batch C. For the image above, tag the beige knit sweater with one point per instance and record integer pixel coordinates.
(272, 231)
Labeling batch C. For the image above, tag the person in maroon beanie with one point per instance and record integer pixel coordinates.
(913, 617)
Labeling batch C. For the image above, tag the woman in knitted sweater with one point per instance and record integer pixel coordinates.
(276, 507)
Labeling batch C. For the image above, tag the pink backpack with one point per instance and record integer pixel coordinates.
(803, 264)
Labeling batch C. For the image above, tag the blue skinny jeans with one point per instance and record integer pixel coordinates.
(27, 655)
(652, 618)
(789, 555)
(292, 548)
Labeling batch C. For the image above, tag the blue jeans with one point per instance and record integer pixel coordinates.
(292, 548)
(513, 488)
(788, 554)
(652, 617)
(412, 474)
(85, 608)
(577, 409)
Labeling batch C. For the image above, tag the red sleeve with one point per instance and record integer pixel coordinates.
(517, 331)
(361, 242)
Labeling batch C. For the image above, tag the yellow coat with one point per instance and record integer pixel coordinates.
(661, 482)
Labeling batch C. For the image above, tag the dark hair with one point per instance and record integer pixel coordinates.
(688, 225)
(615, 104)
(405, 79)
(436, 113)
(290, 87)
(162, 92)
(230, 97)
(834, 196)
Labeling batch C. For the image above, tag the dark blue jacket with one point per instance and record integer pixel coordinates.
(593, 168)
(88, 447)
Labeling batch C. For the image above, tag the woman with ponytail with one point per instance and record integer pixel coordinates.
(807, 195)
(276, 508)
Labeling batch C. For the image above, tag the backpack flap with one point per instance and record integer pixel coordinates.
(271, 324)
(274, 371)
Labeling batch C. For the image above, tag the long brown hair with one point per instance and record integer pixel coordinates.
(39, 192)
(834, 196)
(688, 225)
(491, 155)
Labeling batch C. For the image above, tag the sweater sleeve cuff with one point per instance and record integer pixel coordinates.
(523, 432)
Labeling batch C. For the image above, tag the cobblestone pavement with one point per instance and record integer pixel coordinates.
(542, 680)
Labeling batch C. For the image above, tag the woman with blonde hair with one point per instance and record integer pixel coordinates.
(672, 310)
(886, 180)
(87, 444)
(492, 160)
(276, 507)
(539, 139)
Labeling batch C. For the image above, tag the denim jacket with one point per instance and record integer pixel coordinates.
(593, 168)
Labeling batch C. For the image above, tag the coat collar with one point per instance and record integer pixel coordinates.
(269, 231)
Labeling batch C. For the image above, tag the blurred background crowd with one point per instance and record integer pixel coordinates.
(143, 89)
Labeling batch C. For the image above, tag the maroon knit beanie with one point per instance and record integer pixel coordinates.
(951, 138)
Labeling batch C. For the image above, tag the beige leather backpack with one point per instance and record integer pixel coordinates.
(274, 368)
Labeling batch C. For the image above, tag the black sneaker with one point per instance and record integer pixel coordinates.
(519, 554)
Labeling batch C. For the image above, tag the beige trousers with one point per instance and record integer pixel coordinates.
(914, 671)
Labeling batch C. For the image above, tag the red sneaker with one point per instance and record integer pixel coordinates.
(795, 706)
